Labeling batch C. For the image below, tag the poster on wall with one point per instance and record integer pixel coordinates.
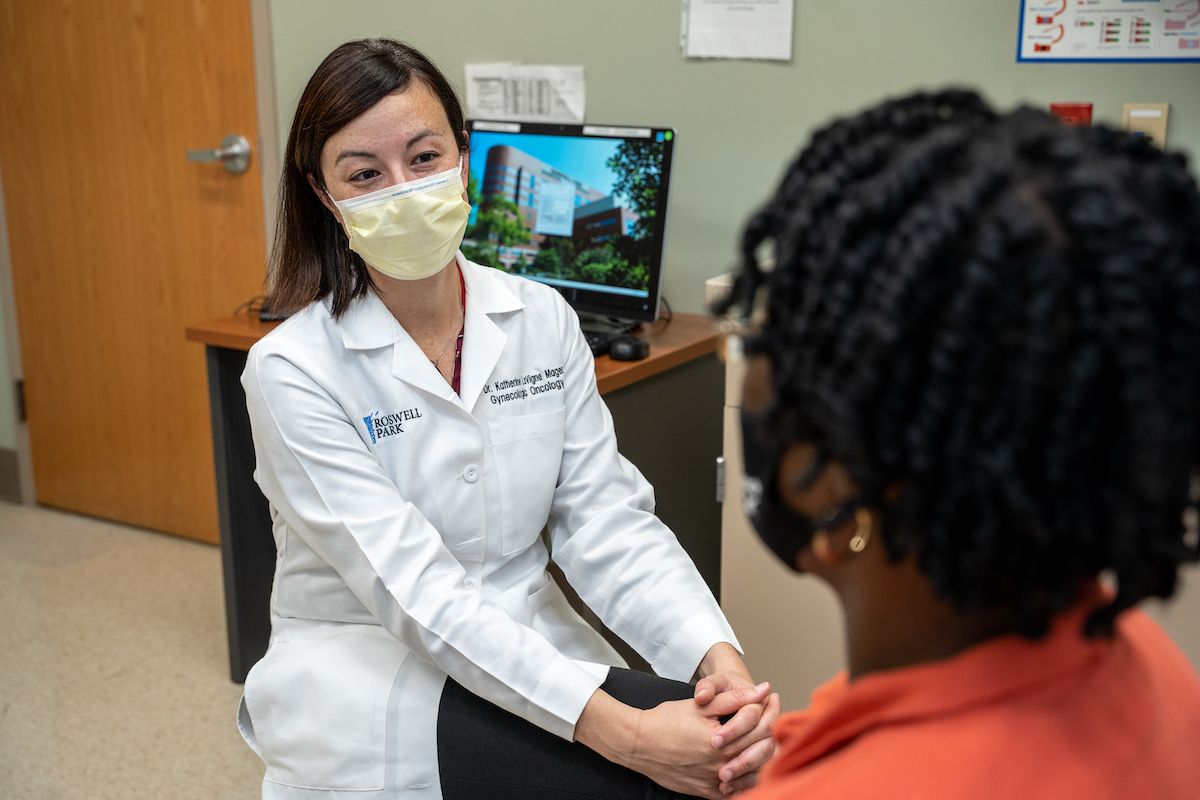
(1109, 30)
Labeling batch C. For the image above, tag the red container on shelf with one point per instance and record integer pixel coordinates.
(1073, 113)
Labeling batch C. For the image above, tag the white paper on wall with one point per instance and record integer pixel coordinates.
(526, 93)
(746, 29)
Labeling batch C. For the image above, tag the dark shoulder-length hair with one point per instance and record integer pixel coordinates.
(311, 258)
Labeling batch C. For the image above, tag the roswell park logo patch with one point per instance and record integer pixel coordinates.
(380, 426)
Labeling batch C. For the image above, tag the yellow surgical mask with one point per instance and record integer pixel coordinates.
(409, 230)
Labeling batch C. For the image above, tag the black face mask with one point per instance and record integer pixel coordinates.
(781, 529)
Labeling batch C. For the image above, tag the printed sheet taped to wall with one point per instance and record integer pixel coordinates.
(747, 29)
(526, 93)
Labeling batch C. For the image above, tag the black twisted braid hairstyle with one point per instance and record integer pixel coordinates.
(1001, 316)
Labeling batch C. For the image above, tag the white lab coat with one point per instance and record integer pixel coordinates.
(408, 520)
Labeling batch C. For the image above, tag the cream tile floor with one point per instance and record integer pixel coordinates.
(113, 672)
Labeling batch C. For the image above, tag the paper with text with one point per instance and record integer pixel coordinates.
(526, 93)
(1109, 30)
(754, 29)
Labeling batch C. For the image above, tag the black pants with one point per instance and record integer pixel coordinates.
(486, 753)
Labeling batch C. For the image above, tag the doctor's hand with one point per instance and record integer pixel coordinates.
(722, 671)
(671, 743)
(749, 713)
(749, 733)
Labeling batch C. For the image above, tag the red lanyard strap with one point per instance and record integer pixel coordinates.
(456, 380)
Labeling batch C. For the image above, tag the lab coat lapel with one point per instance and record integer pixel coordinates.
(483, 343)
(411, 365)
(484, 340)
(367, 325)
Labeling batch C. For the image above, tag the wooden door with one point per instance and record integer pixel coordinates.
(118, 242)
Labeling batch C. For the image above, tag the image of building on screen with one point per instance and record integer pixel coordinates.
(534, 218)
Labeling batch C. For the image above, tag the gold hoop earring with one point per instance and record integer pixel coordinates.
(862, 533)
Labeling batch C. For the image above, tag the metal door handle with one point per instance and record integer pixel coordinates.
(234, 154)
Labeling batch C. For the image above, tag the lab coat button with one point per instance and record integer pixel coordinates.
(471, 474)
(467, 583)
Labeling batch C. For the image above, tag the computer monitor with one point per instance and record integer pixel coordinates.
(582, 208)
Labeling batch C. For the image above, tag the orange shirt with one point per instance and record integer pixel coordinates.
(1065, 717)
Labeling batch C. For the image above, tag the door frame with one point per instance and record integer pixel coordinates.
(8, 308)
(269, 162)
(269, 169)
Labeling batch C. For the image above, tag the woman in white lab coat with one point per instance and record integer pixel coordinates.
(418, 421)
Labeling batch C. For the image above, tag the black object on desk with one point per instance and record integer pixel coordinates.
(598, 341)
(628, 348)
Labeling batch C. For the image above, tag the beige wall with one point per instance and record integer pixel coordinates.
(738, 122)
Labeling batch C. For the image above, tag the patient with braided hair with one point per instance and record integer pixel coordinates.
(972, 406)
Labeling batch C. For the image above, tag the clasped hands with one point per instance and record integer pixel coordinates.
(743, 742)
(683, 745)
(745, 738)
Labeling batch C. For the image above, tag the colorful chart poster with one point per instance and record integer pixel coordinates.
(1109, 30)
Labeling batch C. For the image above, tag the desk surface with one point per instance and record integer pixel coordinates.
(672, 342)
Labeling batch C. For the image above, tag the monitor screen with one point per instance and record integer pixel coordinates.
(579, 207)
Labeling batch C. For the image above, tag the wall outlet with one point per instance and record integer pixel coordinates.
(1148, 119)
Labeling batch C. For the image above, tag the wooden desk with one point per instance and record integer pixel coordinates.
(674, 342)
(666, 409)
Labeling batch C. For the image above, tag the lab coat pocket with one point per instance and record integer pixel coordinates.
(528, 452)
(317, 709)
